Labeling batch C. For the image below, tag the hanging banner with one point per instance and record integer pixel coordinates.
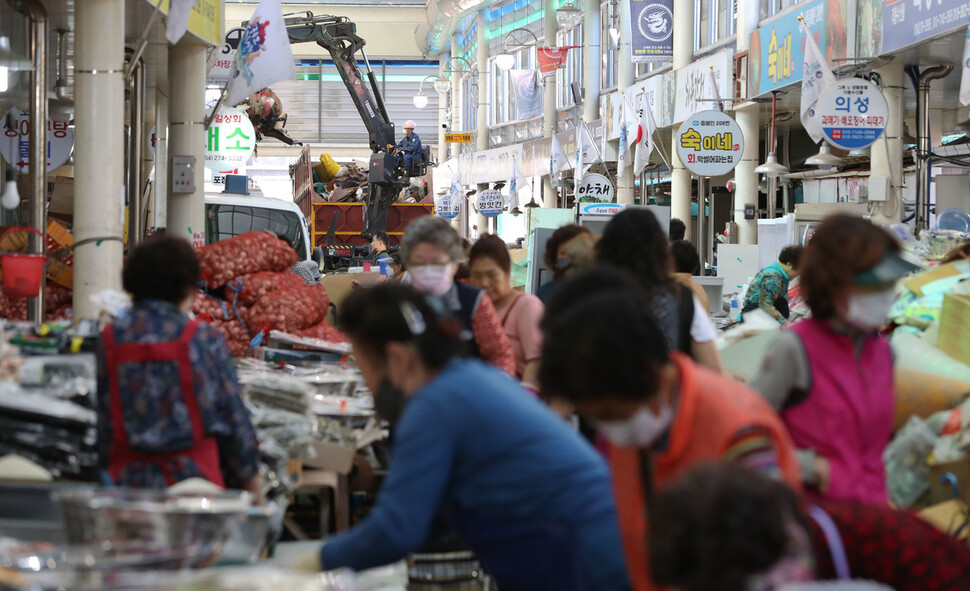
(595, 188)
(775, 53)
(490, 203)
(710, 144)
(852, 113)
(653, 30)
(906, 23)
(230, 140)
(15, 144)
(528, 99)
(552, 58)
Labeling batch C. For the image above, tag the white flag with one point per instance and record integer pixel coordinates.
(264, 56)
(557, 160)
(645, 140)
(178, 19)
(516, 184)
(585, 155)
(965, 79)
(629, 127)
(715, 90)
(816, 77)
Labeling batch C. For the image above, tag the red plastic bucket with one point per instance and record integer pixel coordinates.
(22, 273)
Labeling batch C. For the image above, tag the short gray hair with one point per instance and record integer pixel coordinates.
(435, 231)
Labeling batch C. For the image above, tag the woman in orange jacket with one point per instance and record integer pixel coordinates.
(661, 413)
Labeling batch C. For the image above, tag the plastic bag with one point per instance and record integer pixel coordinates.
(907, 470)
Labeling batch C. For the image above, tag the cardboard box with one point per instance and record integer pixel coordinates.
(331, 456)
(943, 491)
(954, 326)
(946, 517)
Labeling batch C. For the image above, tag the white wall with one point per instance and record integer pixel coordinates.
(388, 30)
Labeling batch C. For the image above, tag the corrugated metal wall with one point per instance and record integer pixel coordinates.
(320, 109)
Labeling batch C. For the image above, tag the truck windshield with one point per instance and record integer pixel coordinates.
(226, 221)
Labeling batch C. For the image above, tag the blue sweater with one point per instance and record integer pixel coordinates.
(473, 439)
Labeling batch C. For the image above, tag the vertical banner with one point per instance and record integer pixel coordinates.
(653, 30)
(528, 99)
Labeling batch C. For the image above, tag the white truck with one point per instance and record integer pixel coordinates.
(229, 215)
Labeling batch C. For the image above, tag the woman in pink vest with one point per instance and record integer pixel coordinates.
(831, 376)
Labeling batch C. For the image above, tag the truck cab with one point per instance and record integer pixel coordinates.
(229, 215)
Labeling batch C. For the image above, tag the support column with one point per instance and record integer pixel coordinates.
(99, 102)
(592, 60)
(550, 118)
(626, 75)
(443, 107)
(186, 65)
(483, 100)
(160, 190)
(747, 117)
(680, 196)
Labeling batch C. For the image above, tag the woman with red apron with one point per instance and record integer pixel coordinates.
(169, 403)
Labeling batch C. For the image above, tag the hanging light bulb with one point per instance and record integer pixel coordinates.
(442, 84)
(772, 168)
(420, 100)
(825, 158)
(568, 16)
(11, 196)
(505, 61)
(860, 152)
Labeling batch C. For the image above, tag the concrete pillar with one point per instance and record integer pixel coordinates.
(483, 100)
(887, 153)
(99, 103)
(746, 179)
(680, 177)
(550, 118)
(747, 116)
(159, 207)
(592, 60)
(443, 106)
(626, 75)
(186, 68)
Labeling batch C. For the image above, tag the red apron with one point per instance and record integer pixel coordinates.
(204, 451)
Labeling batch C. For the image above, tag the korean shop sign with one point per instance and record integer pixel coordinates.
(595, 188)
(710, 143)
(776, 50)
(15, 143)
(230, 140)
(852, 113)
(905, 22)
(490, 203)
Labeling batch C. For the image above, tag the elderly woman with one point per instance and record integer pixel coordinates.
(520, 313)
(831, 377)
(634, 242)
(171, 407)
(431, 250)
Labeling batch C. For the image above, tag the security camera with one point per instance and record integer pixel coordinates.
(445, 125)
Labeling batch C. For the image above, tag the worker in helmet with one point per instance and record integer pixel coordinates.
(409, 149)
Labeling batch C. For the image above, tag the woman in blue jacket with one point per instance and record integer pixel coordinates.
(470, 447)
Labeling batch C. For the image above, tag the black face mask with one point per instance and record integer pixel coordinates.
(389, 401)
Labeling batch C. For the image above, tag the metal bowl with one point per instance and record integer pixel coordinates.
(156, 519)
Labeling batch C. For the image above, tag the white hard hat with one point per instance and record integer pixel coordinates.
(410, 124)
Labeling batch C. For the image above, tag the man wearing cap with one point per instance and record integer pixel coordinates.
(409, 149)
(830, 377)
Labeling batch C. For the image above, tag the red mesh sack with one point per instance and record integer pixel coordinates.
(325, 332)
(209, 308)
(57, 297)
(247, 253)
(239, 348)
(255, 285)
(290, 310)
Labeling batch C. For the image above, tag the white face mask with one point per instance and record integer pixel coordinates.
(868, 311)
(641, 430)
(433, 279)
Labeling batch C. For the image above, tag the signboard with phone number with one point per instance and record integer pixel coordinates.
(853, 113)
(710, 143)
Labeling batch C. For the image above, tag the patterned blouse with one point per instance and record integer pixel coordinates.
(156, 417)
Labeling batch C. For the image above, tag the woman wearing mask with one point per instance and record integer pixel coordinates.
(520, 313)
(831, 376)
(431, 250)
(661, 413)
(634, 242)
(529, 497)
